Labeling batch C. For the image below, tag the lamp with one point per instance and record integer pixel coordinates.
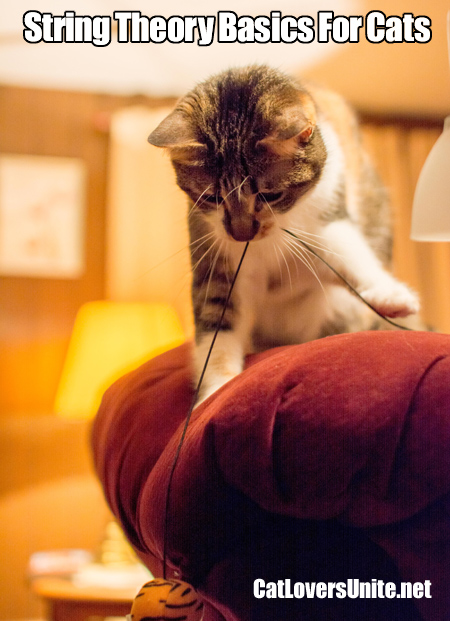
(108, 340)
(431, 206)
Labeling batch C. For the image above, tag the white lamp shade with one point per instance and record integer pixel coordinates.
(431, 207)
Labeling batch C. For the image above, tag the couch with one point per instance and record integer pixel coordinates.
(322, 462)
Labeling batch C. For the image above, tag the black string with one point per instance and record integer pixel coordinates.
(194, 401)
(352, 289)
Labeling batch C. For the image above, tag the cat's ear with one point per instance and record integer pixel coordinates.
(174, 131)
(176, 134)
(293, 128)
(287, 146)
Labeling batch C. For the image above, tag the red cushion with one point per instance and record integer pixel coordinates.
(352, 428)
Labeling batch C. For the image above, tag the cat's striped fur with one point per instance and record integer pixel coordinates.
(256, 153)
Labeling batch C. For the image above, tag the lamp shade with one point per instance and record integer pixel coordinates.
(108, 340)
(431, 207)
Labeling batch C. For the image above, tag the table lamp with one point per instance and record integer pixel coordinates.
(431, 206)
(108, 340)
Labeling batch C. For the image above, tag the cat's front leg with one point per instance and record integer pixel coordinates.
(377, 286)
(225, 362)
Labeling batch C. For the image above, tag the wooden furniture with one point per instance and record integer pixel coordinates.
(68, 602)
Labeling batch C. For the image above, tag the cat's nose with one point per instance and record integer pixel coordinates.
(242, 228)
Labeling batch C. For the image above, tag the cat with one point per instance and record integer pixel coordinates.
(257, 152)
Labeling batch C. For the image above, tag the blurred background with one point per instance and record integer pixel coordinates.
(89, 212)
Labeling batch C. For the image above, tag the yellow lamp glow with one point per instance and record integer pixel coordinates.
(108, 340)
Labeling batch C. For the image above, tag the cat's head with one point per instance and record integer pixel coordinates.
(245, 147)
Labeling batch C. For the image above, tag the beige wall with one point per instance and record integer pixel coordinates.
(398, 78)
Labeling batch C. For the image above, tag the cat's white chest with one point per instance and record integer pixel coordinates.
(273, 289)
(274, 272)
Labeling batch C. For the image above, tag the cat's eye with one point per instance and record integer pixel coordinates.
(216, 199)
(270, 197)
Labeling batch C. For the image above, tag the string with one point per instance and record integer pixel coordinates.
(345, 281)
(194, 401)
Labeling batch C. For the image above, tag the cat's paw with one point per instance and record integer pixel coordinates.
(392, 299)
(203, 395)
(210, 386)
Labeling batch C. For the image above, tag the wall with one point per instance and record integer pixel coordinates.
(396, 78)
(36, 315)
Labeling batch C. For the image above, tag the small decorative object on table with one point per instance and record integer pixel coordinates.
(166, 599)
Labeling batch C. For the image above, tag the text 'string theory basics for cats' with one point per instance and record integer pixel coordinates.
(225, 27)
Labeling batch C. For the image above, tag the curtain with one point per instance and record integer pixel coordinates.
(399, 152)
(147, 240)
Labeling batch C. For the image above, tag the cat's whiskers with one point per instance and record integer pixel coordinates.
(211, 271)
(277, 249)
(322, 247)
(199, 239)
(204, 255)
(206, 239)
(269, 207)
(238, 188)
(198, 200)
(296, 262)
(194, 246)
(186, 277)
(288, 270)
(274, 216)
(314, 243)
(189, 247)
(306, 233)
(301, 253)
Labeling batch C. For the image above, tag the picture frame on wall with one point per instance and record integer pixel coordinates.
(42, 216)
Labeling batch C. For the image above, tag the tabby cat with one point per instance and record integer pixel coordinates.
(257, 153)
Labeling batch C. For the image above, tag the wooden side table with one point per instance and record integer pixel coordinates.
(67, 602)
